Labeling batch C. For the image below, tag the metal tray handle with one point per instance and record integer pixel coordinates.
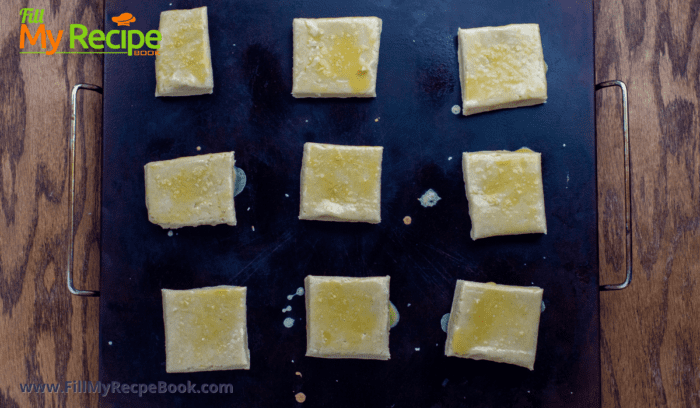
(625, 130)
(628, 188)
(74, 107)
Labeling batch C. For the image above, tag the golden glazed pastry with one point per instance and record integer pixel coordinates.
(205, 329)
(335, 57)
(191, 191)
(501, 67)
(347, 317)
(505, 192)
(341, 183)
(183, 63)
(494, 322)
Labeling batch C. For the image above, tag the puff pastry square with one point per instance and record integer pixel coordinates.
(205, 329)
(505, 192)
(183, 63)
(341, 183)
(501, 67)
(494, 322)
(335, 57)
(191, 191)
(347, 317)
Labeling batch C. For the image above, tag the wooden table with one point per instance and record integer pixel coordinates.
(650, 334)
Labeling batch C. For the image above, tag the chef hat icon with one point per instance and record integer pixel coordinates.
(124, 19)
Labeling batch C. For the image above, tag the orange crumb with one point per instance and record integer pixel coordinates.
(376, 120)
(300, 397)
(407, 220)
(298, 373)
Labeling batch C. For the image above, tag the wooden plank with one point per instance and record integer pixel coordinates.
(47, 335)
(650, 349)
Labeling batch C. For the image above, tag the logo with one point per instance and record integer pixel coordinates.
(124, 19)
(127, 42)
(34, 18)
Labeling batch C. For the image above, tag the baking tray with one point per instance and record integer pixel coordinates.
(270, 251)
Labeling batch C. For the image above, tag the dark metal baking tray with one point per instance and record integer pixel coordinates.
(270, 251)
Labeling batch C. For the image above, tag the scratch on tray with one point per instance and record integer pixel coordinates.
(408, 254)
(394, 238)
(431, 275)
(446, 254)
(420, 287)
(261, 257)
(395, 242)
(427, 259)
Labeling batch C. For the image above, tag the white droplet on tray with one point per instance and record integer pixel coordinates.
(240, 181)
(393, 312)
(288, 322)
(444, 322)
(299, 292)
(429, 198)
(456, 110)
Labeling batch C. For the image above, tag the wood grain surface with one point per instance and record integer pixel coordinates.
(47, 335)
(650, 334)
(650, 341)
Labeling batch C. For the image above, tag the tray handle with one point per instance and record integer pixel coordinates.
(625, 130)
(74, 108)
(628, 195)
